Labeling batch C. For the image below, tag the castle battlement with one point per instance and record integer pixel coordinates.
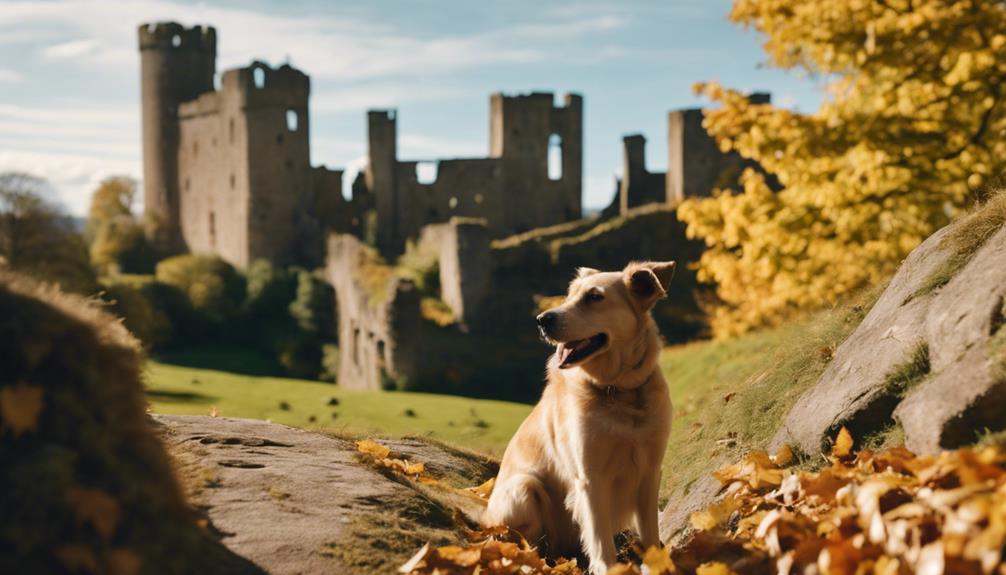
(174, 36)
(261, 84)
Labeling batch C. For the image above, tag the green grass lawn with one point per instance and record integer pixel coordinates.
(478, 424)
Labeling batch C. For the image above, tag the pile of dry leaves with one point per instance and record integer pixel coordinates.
(884, 513)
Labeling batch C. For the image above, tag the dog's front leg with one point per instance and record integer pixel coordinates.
(647, 501)
(592, 507)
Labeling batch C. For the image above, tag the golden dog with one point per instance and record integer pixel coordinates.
(586, 462)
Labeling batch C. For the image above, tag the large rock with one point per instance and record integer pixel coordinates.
(294, 501)
(85, 485)
(880, 372)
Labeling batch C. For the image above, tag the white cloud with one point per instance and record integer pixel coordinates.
(10, 76)
(75, 176)
(325, 47)
(71, 49)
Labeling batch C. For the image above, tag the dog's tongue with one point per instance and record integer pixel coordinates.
(567, 348)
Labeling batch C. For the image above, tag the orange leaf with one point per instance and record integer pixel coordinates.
(658, 560)
(20, 406)
(373, 448)
(95, 507)
(843, 444)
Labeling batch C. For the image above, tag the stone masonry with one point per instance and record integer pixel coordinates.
(227, 171)
(512, 189)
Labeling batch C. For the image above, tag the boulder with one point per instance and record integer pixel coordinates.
(295, 501)
(925, 355)
(85, 485)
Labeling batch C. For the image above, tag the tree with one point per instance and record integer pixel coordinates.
(213, 287)
(314, 306)
(117, 239)
(37, 238)
(910, 131)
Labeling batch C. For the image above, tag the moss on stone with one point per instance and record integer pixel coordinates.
(910, 373)
(964, 239)
(85, 480)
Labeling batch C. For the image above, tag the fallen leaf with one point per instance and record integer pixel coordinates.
(96, 508)
(658, 560)
(843, 444)
(20, 407)
(714, 568)
(373, 448)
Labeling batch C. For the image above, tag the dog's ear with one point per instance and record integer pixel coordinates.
(582, 272)
(648, 281)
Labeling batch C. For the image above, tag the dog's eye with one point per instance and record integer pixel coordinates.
(593, 296)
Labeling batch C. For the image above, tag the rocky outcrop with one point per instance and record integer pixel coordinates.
(925, 355)
(85, 485)
(294, 501)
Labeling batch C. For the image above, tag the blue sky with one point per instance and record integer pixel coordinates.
(69, 74)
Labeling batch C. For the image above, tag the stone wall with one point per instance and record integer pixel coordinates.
(379, 318)
(695, 164)
(177, 64)
(511, 189)
(638, 185)
(228, 171)
(462, 250)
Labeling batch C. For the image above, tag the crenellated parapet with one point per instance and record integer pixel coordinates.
(174, 36)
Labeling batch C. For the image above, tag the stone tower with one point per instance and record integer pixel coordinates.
(695, 164)
(522, 131)
(177, 64)
(382, 160)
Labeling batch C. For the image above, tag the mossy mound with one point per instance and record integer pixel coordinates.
(85, 486)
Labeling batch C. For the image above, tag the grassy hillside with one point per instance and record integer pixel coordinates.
(729, 397)
(478, 424)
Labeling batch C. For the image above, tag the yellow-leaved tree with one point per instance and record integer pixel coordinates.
(911, 129)
(117, 240)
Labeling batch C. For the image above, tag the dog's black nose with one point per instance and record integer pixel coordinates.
(546, 321)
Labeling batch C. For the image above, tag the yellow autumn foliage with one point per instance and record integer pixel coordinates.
(910, 132)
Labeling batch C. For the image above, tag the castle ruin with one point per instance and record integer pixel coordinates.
(228, 170)
(512, 189)
(695, 164)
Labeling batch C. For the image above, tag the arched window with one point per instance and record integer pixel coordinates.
(426, 172)
(555, 157)
(291, 120)
(258, 75)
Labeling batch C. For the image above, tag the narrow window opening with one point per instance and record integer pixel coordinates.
(453, 202)
(292, 120)
(555, 157)
(232, 181)
(195, 149)
(213, 229)
(279, 138)
(259, 76)
(426, 172)
(230, 130)
(356, 346)
(176, 40)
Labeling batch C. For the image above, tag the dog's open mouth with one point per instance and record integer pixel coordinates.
(573, 352)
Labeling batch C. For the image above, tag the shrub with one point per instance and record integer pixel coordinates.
(270, 291)
(314, 306)
(329, 362)
(141, 313)
(212, 286)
